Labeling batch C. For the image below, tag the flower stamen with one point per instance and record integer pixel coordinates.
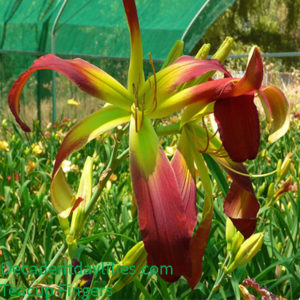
(154, 102)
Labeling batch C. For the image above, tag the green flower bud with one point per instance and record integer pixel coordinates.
(279, 163)
(285, 167)
(247, 251)
(203, 52)
(84, 192)
(261, 189)
(271, 191)
(4, 123)
(224, 49)
(237, 241)
(129, 268)
(230, 231)
(175, 53)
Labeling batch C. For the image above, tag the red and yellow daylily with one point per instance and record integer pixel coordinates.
(165, 196)
(231, 100)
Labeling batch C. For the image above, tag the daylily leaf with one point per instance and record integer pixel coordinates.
(86, 76)
(160, 209)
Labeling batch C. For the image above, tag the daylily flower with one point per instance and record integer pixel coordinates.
(165, 196)
(231, 101)
(4, 145)
(162, 216)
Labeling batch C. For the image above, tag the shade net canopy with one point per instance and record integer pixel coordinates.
(99, 28)
(95, 30)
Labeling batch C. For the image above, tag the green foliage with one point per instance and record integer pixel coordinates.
(271, 24)
(30, 232)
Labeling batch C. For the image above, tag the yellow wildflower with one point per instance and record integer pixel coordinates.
(4, 145)
(31, 166)
(37, 148)
(73, 102)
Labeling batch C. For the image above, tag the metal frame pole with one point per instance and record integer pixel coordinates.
(53, 32)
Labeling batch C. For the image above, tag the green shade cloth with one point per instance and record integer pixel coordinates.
(98, 27)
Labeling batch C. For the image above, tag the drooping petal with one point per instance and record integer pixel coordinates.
(88, 129)
(241, 207)
(241, 204)
(238, 124)
(254, 74)
(62, 197)
(86, 76)
(160, 207)
(184, 69)
(278, 110)
(183, 166)
(200, 238)
(135, 72)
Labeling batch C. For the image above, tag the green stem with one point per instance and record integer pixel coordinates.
(55, 259)
(69, 296)
(220, 276)
(169, 129)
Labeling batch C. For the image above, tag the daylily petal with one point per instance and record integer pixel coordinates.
(86, 76)
(200, 238)
(183, 166)
(62, 197)
(214, 90)
(184, 69)
(254, 74)
(206, 92)
(238, 124)
(104, 119)
(160, 208)
(241, 207)
(97, 123)
(240, 204)
(135, 72)
(278, 110)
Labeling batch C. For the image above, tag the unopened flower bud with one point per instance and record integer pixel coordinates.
(247, 251)
(4, 123)
(230, 231)
(203, 52)
(224, 49)
(131, 264)
(84, 192)
(175, 53)
(270, 193)
(285, 167)
(261, 189)
(237, 241)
